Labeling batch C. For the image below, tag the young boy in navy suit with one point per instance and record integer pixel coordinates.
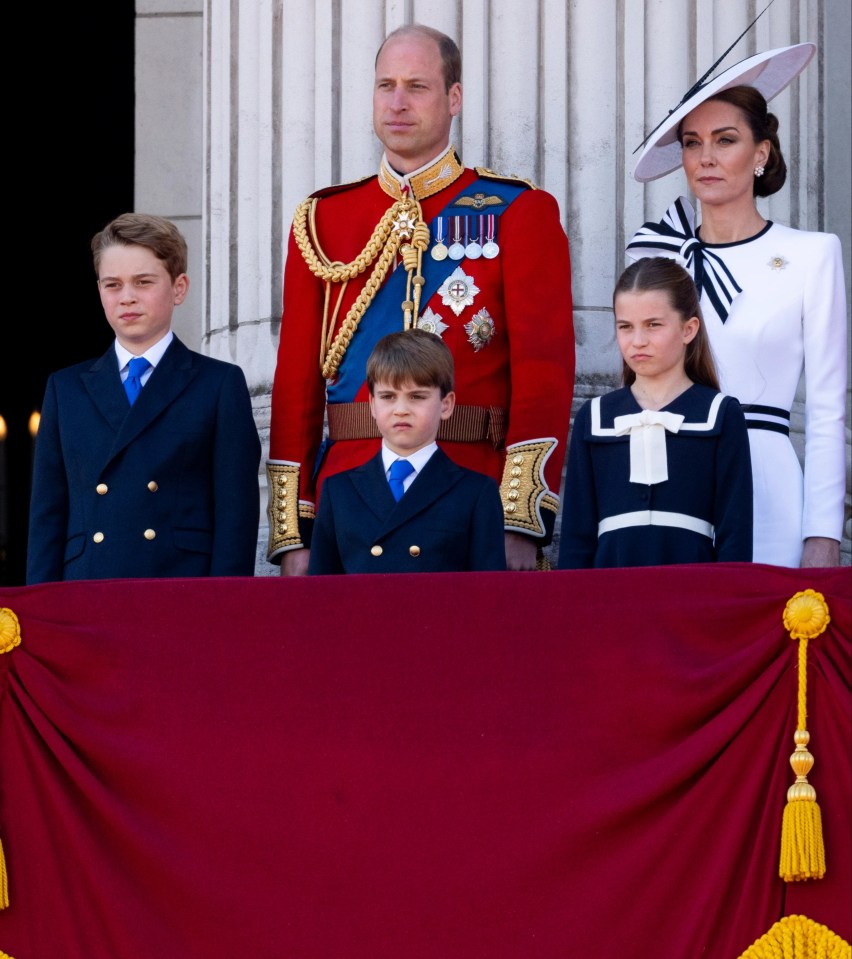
(410, 508)
(146, 459)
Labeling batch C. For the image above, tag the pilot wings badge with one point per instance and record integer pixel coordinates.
(479, 201)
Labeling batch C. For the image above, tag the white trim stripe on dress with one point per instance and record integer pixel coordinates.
(656, 517)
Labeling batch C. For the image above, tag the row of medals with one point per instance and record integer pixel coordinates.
(457, 250)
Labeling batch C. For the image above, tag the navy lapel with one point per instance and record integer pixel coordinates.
(172, 375)
(103, 384)
(370, 483)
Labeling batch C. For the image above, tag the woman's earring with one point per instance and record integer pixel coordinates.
(759, 170)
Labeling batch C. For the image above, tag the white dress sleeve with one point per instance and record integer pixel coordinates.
(825, 345)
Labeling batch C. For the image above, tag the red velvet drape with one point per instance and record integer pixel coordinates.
(454, 766)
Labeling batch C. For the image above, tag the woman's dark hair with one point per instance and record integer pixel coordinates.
(764, 126)
(662, 273)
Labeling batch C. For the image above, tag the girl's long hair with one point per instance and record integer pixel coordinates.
(663, 273)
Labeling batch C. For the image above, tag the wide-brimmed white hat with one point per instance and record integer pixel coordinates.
(768, 72)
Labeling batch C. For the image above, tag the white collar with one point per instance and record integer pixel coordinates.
(153, 354)
(418, 460)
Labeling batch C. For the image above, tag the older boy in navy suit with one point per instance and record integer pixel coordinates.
(410, 508)
(146, 460)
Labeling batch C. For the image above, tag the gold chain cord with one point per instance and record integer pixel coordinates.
(382, 247)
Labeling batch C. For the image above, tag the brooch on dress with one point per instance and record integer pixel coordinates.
(777, 262)
(480, 330)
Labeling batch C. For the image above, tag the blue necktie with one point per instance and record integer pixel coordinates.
(133, 383)
(398, 471)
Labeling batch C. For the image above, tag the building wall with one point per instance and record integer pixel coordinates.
(244, 108)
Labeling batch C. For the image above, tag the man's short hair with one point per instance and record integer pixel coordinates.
(414, 356)
(450, 53)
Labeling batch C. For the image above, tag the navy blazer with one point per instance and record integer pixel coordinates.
(450, 519)
(167, 487)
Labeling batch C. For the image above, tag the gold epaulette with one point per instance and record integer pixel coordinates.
(488, 174)
(340, 187)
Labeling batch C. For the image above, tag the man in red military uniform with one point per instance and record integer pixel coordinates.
(481, 260)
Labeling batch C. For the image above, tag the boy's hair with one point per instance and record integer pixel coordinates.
(415, 356)
(156, 233)
(663, 273)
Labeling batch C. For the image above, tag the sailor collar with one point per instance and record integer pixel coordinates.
(699, 408)
(428, 180)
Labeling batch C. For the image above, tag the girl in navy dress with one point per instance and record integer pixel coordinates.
(659, 470)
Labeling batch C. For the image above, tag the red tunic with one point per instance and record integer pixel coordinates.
(527, 368)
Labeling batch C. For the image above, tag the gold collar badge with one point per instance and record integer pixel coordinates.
(422, 183)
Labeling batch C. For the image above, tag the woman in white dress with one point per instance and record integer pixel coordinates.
(773, 299)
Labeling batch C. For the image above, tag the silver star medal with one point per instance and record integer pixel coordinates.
(432, 323)
(480, 330)
(458, 291)
(777, 262)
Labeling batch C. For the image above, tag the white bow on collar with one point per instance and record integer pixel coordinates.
(648, 461)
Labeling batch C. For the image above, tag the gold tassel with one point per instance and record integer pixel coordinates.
(4, 880)
(802, 848)
(795, 937)
(10, 637)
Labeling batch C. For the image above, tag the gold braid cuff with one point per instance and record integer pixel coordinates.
(283, 507)
(403, 221)
(524, 490)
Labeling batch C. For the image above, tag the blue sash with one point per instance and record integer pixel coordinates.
(385, 310)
